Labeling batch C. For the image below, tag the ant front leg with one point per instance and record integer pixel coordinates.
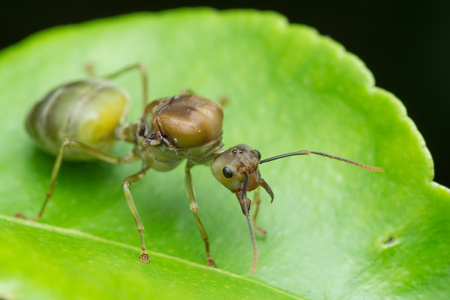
(256, 203)
(140, 227)
(69, 143)
(194, 208)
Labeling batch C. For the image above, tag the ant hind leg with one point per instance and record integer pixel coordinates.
(68, 143)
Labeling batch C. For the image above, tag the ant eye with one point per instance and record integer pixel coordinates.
(258, 154)
(227, 172)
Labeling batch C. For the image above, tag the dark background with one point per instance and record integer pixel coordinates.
(405, 45)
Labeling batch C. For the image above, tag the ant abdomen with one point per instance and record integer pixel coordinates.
(87, 111)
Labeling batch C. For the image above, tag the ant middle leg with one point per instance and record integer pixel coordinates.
(140, 227)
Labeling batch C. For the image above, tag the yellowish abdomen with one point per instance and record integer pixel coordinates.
(87, 111)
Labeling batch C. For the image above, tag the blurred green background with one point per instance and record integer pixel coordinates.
(405, 44)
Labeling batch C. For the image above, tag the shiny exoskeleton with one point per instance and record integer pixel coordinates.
(82, 120)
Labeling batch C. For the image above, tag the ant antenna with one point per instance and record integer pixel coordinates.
(308, 152)
(245, 206)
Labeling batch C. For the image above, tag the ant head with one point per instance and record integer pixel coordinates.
(237, 170)
(229, 167)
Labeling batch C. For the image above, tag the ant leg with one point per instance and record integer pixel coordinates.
(85, 148)
(256, 203)
(186, 91)
(194, 208)
(142, 72)
(90, 69)
(140, 227)
(223, 101)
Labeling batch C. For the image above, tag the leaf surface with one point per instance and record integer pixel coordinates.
(334, 231)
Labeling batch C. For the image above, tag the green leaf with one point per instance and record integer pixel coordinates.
(334, 231)
(69, 264)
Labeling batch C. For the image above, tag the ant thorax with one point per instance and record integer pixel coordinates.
(176, 128)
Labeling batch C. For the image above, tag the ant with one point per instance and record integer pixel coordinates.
(81, 120)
